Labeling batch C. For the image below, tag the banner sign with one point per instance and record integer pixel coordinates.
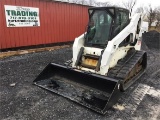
(18, 16)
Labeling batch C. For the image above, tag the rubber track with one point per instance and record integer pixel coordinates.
(125, 65)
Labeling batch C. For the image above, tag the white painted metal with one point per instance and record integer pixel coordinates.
(112, 53)
(143, 28)
(78, 43)
(92, 51)
(113, 45)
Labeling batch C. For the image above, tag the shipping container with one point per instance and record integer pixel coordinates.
(58, 22)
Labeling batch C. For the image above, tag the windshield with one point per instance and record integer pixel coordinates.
(98, 29)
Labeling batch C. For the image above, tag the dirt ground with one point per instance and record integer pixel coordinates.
(20, 100)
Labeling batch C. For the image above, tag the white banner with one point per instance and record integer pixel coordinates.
(18, 16)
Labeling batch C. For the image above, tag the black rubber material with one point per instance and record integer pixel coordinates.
(125, 65)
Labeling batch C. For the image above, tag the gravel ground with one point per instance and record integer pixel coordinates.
(19, 99)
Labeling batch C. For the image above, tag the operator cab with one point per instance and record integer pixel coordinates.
(104, 24)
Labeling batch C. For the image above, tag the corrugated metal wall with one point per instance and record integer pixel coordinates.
(59, 22)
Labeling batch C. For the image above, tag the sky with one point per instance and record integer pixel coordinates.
(143, 3)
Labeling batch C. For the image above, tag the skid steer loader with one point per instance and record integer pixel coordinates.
(106, 60)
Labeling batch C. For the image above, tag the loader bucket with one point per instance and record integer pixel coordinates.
(94, 91)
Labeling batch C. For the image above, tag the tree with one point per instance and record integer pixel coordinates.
(83, 2)
(91, 2)
(102, 4)
(129, 4)
(151, 15)
(73, 1)
(157, 16)
(98, 4)
(140, 10)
